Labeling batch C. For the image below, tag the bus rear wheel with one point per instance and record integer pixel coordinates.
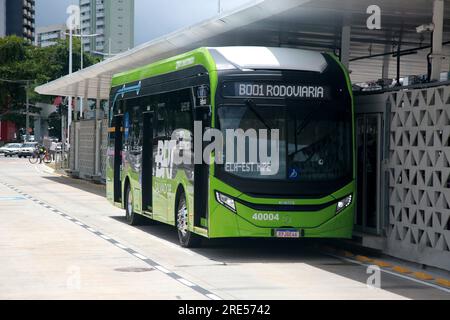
(133, 219)
(187, 239)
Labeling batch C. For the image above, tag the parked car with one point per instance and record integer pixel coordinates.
(27, 149)
(10, 149)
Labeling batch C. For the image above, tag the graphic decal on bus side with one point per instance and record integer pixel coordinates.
(174, 154)
(245, 151)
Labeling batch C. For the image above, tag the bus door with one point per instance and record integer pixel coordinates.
(201, 174)
(118, 147)
(147, 162)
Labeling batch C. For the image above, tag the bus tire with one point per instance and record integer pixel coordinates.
(133, 219)
(187, 239)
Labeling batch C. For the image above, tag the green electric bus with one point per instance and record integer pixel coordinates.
(161, 113)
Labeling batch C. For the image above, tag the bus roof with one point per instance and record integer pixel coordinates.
(229, 58)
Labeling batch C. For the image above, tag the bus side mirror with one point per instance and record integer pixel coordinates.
(203, 114)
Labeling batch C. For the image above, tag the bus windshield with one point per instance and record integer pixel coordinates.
(315, 139)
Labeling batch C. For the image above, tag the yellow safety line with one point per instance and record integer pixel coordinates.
(363, 259)
(382, 264)
(443, 282)
(401, 269)
(418, 275)
(423, 276)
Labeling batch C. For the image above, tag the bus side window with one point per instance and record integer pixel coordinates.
(161, 121)
(183, 118)
(133, 125)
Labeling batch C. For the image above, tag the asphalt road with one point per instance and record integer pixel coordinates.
(61, 239)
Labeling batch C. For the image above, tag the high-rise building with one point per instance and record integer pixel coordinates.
(112, 21)
(17, 18)
(49, 35)
(2, 18)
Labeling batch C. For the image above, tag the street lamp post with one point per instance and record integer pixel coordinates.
(69, 112)
(81, 36)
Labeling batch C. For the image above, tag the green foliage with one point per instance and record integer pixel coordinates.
(22, 61)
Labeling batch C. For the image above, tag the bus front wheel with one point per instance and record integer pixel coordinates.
(133, 219)
(187, 239)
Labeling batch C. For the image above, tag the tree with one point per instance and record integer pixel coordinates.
(22, 64)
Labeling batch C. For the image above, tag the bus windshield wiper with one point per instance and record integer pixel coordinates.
(299, 129)
(251, 105)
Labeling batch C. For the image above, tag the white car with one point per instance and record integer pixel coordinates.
(27, 149)
(10, 149)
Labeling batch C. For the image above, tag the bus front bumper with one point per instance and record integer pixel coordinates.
(263, 222)
(230, 225)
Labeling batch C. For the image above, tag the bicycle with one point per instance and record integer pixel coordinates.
(40, 157)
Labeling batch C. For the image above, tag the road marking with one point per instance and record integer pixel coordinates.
(363, 259)
(186, 282)
(401, 269)
(213, 296)
(12, 198)
(147, 260)
(382, 264)
(170, 244)
(391, 273)
(443, 282)
(121, 246)
(162, 269)
(140, 256)
(423, 276)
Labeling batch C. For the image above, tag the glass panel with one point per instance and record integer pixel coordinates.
(245, 118)
(371, 169)
(319, 142)
(360, 128)
(315, 139)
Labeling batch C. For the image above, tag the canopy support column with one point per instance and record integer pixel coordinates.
(345, 40)
(437, 56)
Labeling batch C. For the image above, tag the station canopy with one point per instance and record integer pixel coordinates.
(307, 24)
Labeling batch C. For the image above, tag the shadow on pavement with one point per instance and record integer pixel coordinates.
(83, 185)
(302, 251)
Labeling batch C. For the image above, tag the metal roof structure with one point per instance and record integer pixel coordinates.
(305, 24)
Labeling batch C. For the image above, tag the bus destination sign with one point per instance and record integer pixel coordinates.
(276, 90)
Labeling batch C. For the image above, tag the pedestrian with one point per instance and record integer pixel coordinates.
(53, 147)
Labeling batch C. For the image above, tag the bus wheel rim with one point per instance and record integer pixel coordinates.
(182, 219)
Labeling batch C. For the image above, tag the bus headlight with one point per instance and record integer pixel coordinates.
(344, 203)
(226, 201)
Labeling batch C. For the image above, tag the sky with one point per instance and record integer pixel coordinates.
(153, 18)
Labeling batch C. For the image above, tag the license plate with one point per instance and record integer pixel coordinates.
(292, 234)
